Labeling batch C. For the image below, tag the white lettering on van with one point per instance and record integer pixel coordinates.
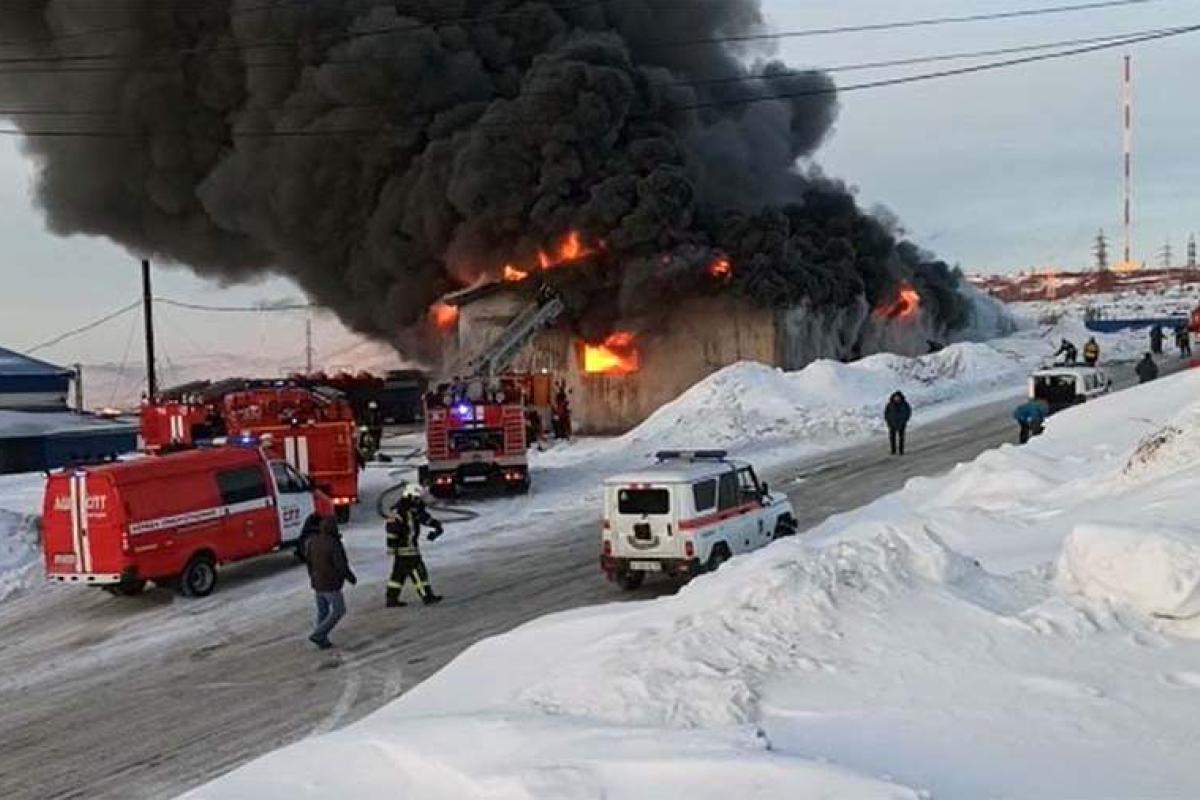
(96, 503)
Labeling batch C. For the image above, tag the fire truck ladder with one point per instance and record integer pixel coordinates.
(528, 323)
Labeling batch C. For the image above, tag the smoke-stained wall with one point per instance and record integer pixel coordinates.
(383, 152)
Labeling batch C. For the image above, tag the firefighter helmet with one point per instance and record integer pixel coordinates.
(412, 491)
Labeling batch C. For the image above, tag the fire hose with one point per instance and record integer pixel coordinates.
(447, 513)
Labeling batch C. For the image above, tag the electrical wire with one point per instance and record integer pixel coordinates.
(243, 47)
(84, 329)
(263, 309)
(518, 125)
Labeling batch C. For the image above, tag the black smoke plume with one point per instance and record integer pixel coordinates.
(383, 152)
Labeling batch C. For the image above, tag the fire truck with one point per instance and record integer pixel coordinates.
(173, 519)
(475, 428)
(311, 429)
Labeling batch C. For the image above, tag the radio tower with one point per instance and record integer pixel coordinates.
(1127, 147)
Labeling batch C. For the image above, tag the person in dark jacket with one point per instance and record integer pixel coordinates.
(1067, 351)
(403, 541)
(1031, 417)
(1156, 340)
(1146, 369)
(328, 571)
(896, 415)
(1183, 340)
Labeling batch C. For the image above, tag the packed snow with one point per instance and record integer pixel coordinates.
(1024, 626)
(20, 551)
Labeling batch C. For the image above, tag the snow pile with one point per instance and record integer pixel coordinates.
(1156, 571)
(827, 400)
(923, 645)
(20, 551)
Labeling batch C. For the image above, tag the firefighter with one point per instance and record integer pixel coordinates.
(1091, 352)
(896, 415)
(403, 540)
(561, 412)
(1156, 340)
(1146, 369)
(1031, 417)
(1068, 352)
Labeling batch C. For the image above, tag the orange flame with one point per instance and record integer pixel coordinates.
(513, 274)
(618, 355)
(721, 268)
(571, 249)
(906, 305)
(444, 316)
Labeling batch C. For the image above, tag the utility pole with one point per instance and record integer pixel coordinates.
(78, 387)
(1191, 251)
(308, 346)
(148, 316)
(1164, 255)
(1127, 148)
(1100, 250)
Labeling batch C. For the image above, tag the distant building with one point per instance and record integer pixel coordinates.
(38, 432)
(27, 384)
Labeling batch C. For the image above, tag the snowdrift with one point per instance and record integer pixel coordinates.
(953, 639)
(20, 551)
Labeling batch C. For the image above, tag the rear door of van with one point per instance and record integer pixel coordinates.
(645, 521)
(84, 538)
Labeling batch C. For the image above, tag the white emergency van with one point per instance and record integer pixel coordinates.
(685, 515)
(1063, 386)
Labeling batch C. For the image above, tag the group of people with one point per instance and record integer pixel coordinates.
(1183, 340)
(329, 567)
(1070, 354)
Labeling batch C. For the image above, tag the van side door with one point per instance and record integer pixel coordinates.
(250, 524)
(734, 528)
(758, 525)
(294, 501)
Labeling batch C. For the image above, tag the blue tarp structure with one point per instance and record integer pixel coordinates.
(27, 384)
(34, 442)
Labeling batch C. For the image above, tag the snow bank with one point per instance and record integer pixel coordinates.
(1154, 570)
(827, 400)
(925, 644)
(20, 552)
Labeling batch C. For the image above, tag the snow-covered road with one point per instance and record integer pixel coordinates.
(149, 696)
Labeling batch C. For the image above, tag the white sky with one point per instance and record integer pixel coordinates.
(996, 171)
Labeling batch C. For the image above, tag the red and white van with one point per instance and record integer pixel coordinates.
(172, 519)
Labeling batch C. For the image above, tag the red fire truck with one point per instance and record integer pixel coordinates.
(311, 429)
(476, 444)
(172, 519)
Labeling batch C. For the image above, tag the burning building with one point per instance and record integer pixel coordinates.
(617, 380)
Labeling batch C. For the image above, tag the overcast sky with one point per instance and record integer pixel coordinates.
(996, 171)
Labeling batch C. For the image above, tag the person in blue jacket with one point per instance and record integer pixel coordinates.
(1031, 416)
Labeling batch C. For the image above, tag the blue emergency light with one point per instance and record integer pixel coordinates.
(464, 411)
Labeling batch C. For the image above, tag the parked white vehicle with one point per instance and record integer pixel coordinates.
(685, 515)
(1061, 387)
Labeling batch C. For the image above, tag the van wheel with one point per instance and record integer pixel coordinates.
(342, 514)
(719, 556)
(630, 581)
(786, 526)
(127, 589)
(199, 577)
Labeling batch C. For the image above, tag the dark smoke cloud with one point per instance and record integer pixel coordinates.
(474, 143)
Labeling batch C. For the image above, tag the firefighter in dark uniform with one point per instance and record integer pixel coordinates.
(403, 541)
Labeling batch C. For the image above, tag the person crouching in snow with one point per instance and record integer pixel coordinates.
(328, 571)
(896, 415)
(1031, 417)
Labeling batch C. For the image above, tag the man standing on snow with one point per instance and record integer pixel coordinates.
(403, 541)
(896, 415)
(1031, 416)
(1146, 369)
(1183, 340)
(328, 571)
(1156, 340)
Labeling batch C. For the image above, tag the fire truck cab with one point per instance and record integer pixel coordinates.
(172, 519)
(686, 515)
(475, 439)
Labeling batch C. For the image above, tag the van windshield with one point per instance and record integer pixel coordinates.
(643, 501)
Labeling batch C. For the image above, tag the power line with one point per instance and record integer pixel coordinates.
(261, 309)
(481, 19)
(90, 326)
(517, 125)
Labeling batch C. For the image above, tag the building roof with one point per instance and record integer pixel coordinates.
(13, 363)
(464, 297)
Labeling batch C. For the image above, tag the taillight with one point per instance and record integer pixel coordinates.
(689, 549)
(607, 525)
(607, 547)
